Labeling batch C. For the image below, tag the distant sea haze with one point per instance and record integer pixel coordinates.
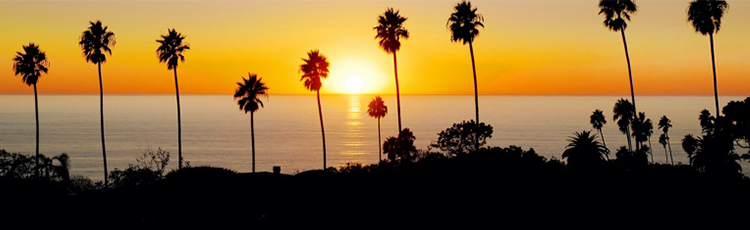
(287, 130)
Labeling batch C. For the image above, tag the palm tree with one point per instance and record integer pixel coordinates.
(663, 141)
(623, 115)
(95, 42)
(390, 30)
(30, 65)
(705, 15)
(643, 128)
(248, 94)
(584, 150)
(665, 124)
(314, 68)
(377, 109)
(598, 121)
(616, 14)
(170, 50)
(690, 145)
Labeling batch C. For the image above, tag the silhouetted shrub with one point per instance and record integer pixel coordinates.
(462, 138)
(400, 148)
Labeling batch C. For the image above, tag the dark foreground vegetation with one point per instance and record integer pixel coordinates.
(493, 185)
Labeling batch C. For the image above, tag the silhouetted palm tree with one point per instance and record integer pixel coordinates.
(705, 16)
(95, 42)
(390, 30)
(464, 24)
(665, 124)
(706, 122)
(690, 145)
(170, 50)
(314, 68)
(616, 14)
(248, 94)
(623, 115)
(598, 121)
(584, 150)
(377, 109)
(643, 128)
(663, 141)
(30, 65)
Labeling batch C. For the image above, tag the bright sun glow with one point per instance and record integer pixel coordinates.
(354, 85)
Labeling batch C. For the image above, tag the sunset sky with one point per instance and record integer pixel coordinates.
(527, 47)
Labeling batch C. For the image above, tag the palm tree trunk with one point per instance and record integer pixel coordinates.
(630, 145)
(713, 64)
(322, 130)
(36, 111)
(650, 150)
(670, 150)
(252, 136)
(630, 74)
(101, 118)
(476, 93)
(380, 150)
(398, 92)
(179, 121)
(666, 155)
(604, 142)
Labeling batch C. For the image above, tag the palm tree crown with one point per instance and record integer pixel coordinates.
(31, 64)
(377, 108)
(390, 29)
(623, 111)
(584, 150)
(705, 15)
(597, 119)
(464, 23)
(96, 41)
(665, 124)
(616, 12)
(171, 48)
(315, 67)
(249, 93)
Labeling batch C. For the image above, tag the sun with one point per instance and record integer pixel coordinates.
(354, 85)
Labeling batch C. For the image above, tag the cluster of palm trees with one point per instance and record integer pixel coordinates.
(464, 24)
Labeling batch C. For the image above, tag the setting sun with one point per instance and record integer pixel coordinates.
(356, 76)
(354, 85)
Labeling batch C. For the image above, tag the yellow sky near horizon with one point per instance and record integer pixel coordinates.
(527, 47)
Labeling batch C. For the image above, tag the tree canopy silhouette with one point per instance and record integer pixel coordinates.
(623, 114)
(598, 121)
(248, 95)
(400, 148)
(315, 67)
(390, 30)
(665, 124)
(584, 150)
(377, 109)
(30, 65)
(461, 138)
(170, 50)
(705, 16)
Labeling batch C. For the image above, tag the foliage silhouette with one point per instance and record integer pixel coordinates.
(705, 16)
(20, 166)
(598, 121)
(313, 69)
(690, 145)
(390, 30)
(461, 138)
(584, 151)
(714, 152)
(148, 170)
(248, 95)
(623, 114)
(643, 128)
(616, 14)
(665, 124)
(377, 109)
(400, 148)
(95, 42)
(30, 65)
(464, 24)
(171, 47)
(632, 160)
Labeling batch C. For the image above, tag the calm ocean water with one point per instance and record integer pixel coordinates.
(287, 130)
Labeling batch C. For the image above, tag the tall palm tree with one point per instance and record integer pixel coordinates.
(171, 47)
(616, 14)
(665, 124)
(584, 150)
(95, 42)
(313, 69)
(623, 115)
(377, 109)
(705, 16)
(390, 30)
(598, 121)
(464, 24)
(248, 94)
(30, 65)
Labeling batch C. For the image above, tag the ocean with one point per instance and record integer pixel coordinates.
(287, 131)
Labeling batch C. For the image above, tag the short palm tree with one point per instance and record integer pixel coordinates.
(665, 124)
(171, 47)
(313, 69)
(616, 14)
(598, 121)
(663, 141)
(248, 94)
(623, 114)
(95, 42)
(377, 109)
(390, 30)
(30, 65)
(642, 129)
(584, 150)
(705, 16)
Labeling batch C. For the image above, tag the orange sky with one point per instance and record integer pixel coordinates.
(527, 47)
